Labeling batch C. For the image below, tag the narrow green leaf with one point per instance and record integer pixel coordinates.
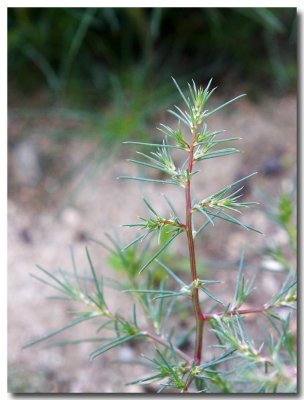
(179, 117)
(104, 325)
(240, 277)
(136, 178)
(217, 360)
(100, 243)
(159, 252)
(224, 105)
(218, 153)
(148, 291)
(123, 339)
(150, 207)
(148, 165)
(228, 187)
(61, 343)
(73, 323)
(211, 295)
(75, 267)
(98, 289)
(134, 316)
(141, 237)
(183, 114)
(202, 211)
(171, 206)
(218, 140)
(65, 287)
(48, 283)
(154, 145)
(204, 225)
(181, 92)
(144, 380)
(171, 273)
(233, 221)
(173, 294)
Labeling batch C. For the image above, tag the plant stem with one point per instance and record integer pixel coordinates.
(199, 316)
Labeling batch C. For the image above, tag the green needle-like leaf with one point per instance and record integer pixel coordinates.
(73, 323)
(117, 342)
(97, 285)
(224, 105)
(137, 178)
(169, 146)
(159, 252)
(171, 273)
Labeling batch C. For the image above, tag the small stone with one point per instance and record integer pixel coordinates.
(71, 217)
(26, 162)
(125, 354)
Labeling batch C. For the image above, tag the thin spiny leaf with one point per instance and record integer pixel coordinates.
(171, 273)
(170, 146)
(136, 178)
(239, 279)
(123, 339)
(75, 267)
(224, 105)
(73, 323)
(150, 207)
(65, 287)
(181, 93)
(159, 252)
(139, 238)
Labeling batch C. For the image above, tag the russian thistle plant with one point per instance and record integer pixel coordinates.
(239, 364)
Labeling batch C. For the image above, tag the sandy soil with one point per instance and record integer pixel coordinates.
(43, 220)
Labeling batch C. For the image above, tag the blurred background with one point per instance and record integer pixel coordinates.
(83, 80)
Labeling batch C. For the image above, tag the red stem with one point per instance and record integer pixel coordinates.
(200, 318)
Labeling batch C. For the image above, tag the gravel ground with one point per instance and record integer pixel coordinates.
(42, 223)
